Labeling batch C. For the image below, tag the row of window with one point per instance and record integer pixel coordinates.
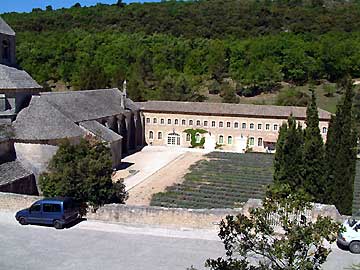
(221, 138)
(259, 126)
(213, 124)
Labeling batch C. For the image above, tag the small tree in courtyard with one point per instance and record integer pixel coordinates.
(82, 172)
(252, 243)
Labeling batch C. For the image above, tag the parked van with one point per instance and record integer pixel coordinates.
(51, 211)
(351, 236)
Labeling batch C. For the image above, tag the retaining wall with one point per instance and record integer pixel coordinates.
(159, 216)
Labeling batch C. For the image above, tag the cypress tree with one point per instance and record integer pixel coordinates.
(313, 153)
(289, 162)
(341, 155)
(279, 154)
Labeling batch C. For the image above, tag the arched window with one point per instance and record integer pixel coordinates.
(251, 125)
(151, 135)
(176, 121)
(243, 125)
(159, 135)
(221, 139)
(169, 122)
(324, 130)
(154, 120)
(260, 142)
(230, 140)
(5, 50)
(198, 122)
(251, 141)
(197, 138)
(188, 137)
(221, 124)
(183, 122)
(147, 120)
(228, 124)
(191, 122)
(236, 125)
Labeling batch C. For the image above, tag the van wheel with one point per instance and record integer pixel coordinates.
(355, 247)
(57, 225)
(22, 221)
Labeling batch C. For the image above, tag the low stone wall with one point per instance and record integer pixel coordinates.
(14, 202)
(159, 216)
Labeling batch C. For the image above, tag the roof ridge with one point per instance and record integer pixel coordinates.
(76, 91)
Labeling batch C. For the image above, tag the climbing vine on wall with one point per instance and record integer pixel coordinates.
(193, 132)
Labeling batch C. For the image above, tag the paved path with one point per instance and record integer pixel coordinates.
(94, 245)
(166, 176)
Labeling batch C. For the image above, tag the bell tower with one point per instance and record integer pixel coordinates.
(7, 44)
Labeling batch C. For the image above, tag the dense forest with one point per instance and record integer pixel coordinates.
(180, 50)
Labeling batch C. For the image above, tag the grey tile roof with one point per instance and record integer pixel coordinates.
(99, 130)
(86, 105)
(131, 105)
(5, 28)
(247, 110)
(12, 78)
(11, 171)
(42, 121)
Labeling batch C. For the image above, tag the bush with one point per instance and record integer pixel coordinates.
(82, 172)
(292, 97)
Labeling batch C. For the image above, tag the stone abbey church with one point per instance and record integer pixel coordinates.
(33, 122)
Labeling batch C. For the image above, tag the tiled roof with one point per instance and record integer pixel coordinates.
(5, 28)
(12, 79)
(42, 121)
(86, 105)
(99, 130)
(261, 111)
(11, 171)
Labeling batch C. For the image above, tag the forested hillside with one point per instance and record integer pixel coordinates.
(182, 50)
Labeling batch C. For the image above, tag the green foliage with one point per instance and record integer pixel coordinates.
(194, 133)
(341, 150)
(222, 180)
(183, 44)
(302, 245)
(292, 97)
(313, 155)
(229, 95)
(329, 90)
(82, 172)
(288, 162)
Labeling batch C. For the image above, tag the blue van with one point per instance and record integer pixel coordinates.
(51, 211)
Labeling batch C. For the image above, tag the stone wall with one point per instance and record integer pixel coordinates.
(10, 202)
(159, 216)
(163, 217)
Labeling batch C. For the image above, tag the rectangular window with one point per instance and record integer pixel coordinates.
(229, 139)
(159, 135)
(183, 122)
(260, 141)
(236, 125)
(251, 141)
(267, 126)
(205, 123)
(252, 126)
(169, 121)
(243, 125)
(221, 124)
(51, 207)
(147, 120)
(191, 122)
(162, 121)
(188, 137)
(176, 121)
(198, 122)
(35, 208)
(259, 126)
(154, 120)
(228, 124)
(213, 124)
(275, 127)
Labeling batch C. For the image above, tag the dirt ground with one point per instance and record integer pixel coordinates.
(166, 176)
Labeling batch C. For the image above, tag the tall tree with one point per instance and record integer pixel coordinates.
(313, 153)
(289, 162)
(341, 154)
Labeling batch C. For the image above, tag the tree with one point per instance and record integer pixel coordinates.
(229, 95)
(289, 159)
(313, 153)
(83, 172)
(341, 150)
(301, 245)
(49, 8)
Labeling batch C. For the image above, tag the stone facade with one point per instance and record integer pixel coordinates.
(233, 133)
